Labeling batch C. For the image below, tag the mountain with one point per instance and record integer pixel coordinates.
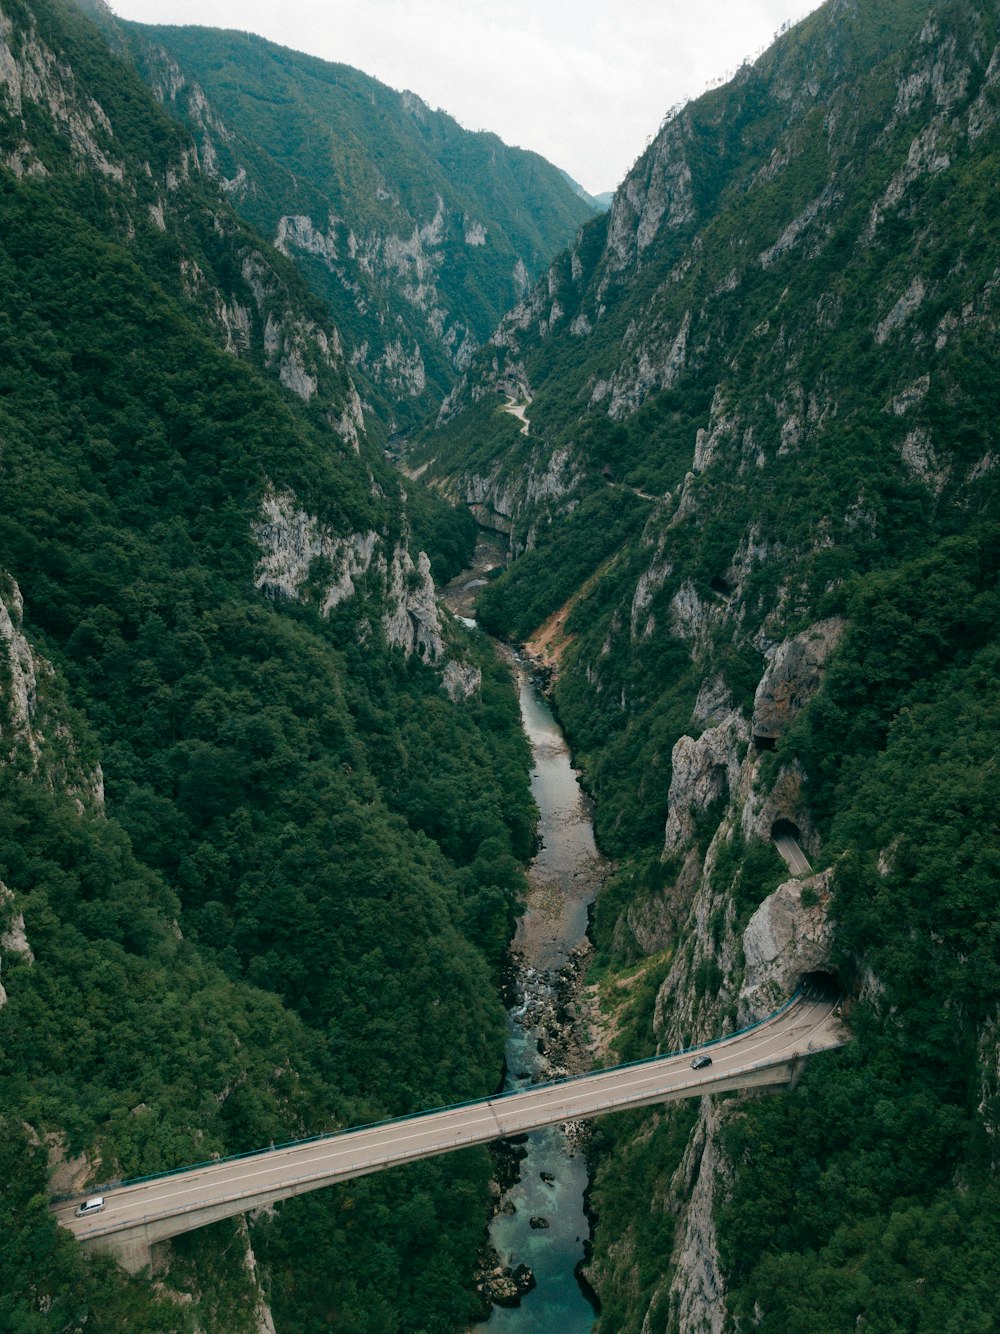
(264, 807)
(754, 531)
(600, 203)
(418, 234)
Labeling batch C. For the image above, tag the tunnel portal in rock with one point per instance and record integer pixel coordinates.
(783, 828)
(822, 984)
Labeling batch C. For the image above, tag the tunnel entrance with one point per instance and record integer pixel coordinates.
(785, 837)
(821, 986)
(785, 829)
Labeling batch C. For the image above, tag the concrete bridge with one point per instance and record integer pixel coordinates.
(138, 1214)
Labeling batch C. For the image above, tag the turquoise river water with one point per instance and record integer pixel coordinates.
(563, 881)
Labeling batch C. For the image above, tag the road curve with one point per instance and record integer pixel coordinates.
(520, 411)
(167, 1205)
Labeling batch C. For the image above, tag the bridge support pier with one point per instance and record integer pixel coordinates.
(795, 1071)
(133, 1250)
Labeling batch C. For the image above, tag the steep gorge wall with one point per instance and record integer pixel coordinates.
(416, 233)
(778, 343)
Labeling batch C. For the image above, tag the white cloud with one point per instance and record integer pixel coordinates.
(583, 82)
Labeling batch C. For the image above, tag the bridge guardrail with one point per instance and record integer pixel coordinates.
(462, 1141)
(429, 1111)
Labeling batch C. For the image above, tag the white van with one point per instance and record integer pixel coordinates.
(91, 1206)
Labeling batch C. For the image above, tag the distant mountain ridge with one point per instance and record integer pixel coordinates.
(417, 233)
(600, 203)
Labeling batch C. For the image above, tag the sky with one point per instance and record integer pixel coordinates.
(585, 83)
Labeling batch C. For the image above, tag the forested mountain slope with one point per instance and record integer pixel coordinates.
(263, 812)
(417, 233)
(755, 529)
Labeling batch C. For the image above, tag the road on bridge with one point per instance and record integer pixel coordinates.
(168, 1205)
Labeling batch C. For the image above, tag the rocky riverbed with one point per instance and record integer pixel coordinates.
(538, 1237)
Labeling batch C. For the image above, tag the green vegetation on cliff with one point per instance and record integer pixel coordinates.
(417, 233)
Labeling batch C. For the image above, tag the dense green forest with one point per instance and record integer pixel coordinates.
(289, 912)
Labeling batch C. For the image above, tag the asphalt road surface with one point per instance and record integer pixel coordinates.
(795, 858)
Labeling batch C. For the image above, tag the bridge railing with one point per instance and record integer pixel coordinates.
(429, 1111)
(385, 1160)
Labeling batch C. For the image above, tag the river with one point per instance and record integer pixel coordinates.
(548, 954)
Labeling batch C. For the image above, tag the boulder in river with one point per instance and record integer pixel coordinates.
(524, 1278)
(537, 1221)
(502, 1290)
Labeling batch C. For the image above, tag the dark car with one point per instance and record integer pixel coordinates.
(700, 1062)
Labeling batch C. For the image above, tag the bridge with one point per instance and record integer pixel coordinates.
(137, 1214)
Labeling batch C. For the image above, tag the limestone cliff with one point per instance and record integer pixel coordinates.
(759, 374)
(417, 234)
(43, 742)
(732, 971)
(292, 542)
(36, 727)
(259, 308)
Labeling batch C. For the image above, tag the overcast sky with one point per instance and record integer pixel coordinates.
(584, 82)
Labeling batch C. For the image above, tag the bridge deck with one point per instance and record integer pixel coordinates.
(167, 1205)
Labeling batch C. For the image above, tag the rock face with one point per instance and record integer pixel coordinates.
(989, 1061)
(697, 1289)
(789, 935)
(262, 1311)
(418, 236)
(32, 734)
(257, 308)
(35, 739)
(704, 771)
(722, 979)
(412, 622)
(293, 542)
(793, 675)
(18, 730)
(37, 75)
(13, 940)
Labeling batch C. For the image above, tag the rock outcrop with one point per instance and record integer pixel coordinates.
(34, 734)
(792, 677)
(294, 543)
(788, 936)
(697, 1288)
(13, 939)
(705, 771)
(18, 728)
(291, 542)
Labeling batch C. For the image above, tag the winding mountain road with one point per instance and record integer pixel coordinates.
(137, 1214)
(520, 411)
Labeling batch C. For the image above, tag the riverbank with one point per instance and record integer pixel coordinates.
(539, 1233)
